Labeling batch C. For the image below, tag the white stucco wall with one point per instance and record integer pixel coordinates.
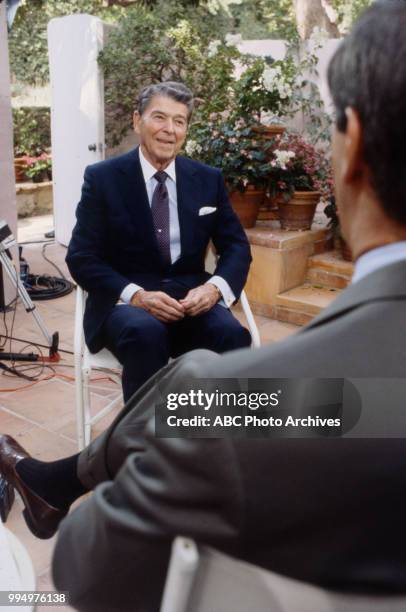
(277, 49)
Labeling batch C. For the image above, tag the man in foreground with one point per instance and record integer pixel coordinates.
(326, 511)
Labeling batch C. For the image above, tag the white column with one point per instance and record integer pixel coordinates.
(8, 206)
(77, 111)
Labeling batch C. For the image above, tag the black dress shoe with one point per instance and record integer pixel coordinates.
(41, 518)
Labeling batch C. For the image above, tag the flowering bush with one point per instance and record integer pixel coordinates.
(263, 89)
(233, 146)
(39, 168)
(297, 165)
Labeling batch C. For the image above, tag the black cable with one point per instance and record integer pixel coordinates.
(44, 246)
(44, 287)
(13, 371)
(37, 344)
(48, 241)
(39, 287)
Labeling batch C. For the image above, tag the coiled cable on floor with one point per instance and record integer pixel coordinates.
(44, 287)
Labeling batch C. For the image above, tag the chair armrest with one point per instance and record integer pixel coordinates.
(78, 338)
(256, 340)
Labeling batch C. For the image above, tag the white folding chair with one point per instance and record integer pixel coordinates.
(252, 326)
(16, 568)
(210, 265)
(201, 579)
(85, 361)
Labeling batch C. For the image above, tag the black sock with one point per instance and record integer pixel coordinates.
(57, 481)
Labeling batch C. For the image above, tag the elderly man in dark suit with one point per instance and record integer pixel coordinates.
(144, 223)
(328, 511)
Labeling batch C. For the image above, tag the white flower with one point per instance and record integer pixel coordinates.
(270, 76)
(274, 80)
(193, 147)
(232, 40)
(282, 158)
(213, 48)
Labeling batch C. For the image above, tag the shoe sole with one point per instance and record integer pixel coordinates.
(42, 534)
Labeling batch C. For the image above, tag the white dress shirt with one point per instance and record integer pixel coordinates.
(378, 258)
(148, 172)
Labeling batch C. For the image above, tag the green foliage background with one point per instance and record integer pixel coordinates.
(254, 19)
(28, 46)
(32, 130)
(349, 10)
(168, 44)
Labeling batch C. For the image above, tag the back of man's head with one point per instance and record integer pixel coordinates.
(368, 74)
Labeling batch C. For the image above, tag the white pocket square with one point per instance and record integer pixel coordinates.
(207, 210)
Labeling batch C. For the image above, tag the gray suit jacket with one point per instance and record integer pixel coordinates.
(328, 511)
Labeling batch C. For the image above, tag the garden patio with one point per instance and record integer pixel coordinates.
(295, 272)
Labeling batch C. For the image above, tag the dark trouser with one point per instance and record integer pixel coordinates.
(143, 345)
(104, 457)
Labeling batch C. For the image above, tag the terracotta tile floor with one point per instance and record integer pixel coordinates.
(42, 416)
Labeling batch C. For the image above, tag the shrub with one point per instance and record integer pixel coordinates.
(32, 130)
(169, 43)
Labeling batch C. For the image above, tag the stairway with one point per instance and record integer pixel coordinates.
(327, 275)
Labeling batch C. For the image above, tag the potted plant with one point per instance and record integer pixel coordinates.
(299, 177)
(264, 91)
(20, 167)
(233, 146)
(31, 136)
(39, 169)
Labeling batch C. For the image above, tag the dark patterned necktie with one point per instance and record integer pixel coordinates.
(160, 216)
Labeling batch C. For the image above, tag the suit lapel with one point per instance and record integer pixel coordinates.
(387, 283)
(188, 189)
(135, 198)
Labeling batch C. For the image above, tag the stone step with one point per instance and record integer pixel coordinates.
(332, 262)
(322, 278)
(329, 270)
(300, 305)
(291, 317)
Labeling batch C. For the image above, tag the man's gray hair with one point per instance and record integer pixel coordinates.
(171, 89)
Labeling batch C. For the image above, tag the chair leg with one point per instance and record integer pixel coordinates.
(86, 405)
(80, 415)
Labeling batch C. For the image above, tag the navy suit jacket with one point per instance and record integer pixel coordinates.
(113, 242)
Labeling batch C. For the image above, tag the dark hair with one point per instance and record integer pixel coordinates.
(170, 89)
(368, 73)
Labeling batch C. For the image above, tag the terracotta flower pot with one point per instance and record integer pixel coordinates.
(269, 131)
(269, 208)
(20, 167)
(247, 204)
(298, 212)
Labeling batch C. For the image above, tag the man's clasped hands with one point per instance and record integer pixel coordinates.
(165, 308)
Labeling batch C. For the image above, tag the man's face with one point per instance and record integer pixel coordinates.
(162, 130)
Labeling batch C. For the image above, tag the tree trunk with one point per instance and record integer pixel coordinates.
(315, 13)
